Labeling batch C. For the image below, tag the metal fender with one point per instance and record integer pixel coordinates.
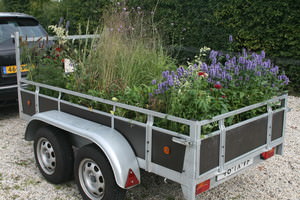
(111, 142)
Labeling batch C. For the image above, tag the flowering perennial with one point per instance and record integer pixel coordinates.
(226, 72)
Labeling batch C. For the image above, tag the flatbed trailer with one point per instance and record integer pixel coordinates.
(106, 152)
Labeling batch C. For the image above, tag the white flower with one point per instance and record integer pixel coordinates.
(60, 32)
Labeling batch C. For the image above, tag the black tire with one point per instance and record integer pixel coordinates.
(98, 181)
(53, 154)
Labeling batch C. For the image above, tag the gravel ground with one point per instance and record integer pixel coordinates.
(277, 178)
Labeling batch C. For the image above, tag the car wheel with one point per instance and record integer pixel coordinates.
(94, 175)
(53, 154)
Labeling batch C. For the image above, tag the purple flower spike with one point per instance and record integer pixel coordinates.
(227, 56)
(263, 54)
(258, 73)
(153, 82)
(61, 20)
(236, 70)
(180, 72)
(230, 38)
(173, 73)
(160, 86)
(228, 77)
(274, 70)
(213, 72)
(223, 75)
(242, 60)
(213, 54)
(204, 67)
(165, 74)
(170, 81)
(214, 60)
(67, 25)
(284, 78)
(245, 53)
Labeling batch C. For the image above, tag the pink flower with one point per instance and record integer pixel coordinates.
(58, 49)
(203, 74)
(218, 86)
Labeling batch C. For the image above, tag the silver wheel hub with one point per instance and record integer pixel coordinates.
(91, 179)
(46, 156)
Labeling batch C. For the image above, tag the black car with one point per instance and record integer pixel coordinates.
(10, 23)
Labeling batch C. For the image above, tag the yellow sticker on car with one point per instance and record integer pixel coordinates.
(13, 69)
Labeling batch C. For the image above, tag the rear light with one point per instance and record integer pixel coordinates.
(131, 179)
(202, 187)
(167, 150)
(268, 154)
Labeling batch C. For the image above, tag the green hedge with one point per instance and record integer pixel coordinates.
(273, 26)
(256, 25)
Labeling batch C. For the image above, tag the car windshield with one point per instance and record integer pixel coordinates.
(27, 27)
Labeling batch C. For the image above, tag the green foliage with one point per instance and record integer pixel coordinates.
(2, 9)
(255, 25)
(186, 23)
(15, 5)
(262, 25)
(46, 65)
(128, 53)
(292, 70)
(46, 11)
(79, 12)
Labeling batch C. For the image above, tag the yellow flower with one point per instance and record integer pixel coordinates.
(115, 99)
(112, 112)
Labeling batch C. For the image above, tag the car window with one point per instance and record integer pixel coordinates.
(25, 26)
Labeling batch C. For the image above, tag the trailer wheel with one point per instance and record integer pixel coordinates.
(94, 175)
(53, 154)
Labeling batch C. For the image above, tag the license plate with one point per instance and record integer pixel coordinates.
(13, 69)
(234, 169)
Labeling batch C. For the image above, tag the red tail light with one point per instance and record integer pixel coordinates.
(131, 179)
(268, 154)
(202, 187)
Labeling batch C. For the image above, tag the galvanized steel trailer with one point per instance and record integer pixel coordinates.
(111, 150)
